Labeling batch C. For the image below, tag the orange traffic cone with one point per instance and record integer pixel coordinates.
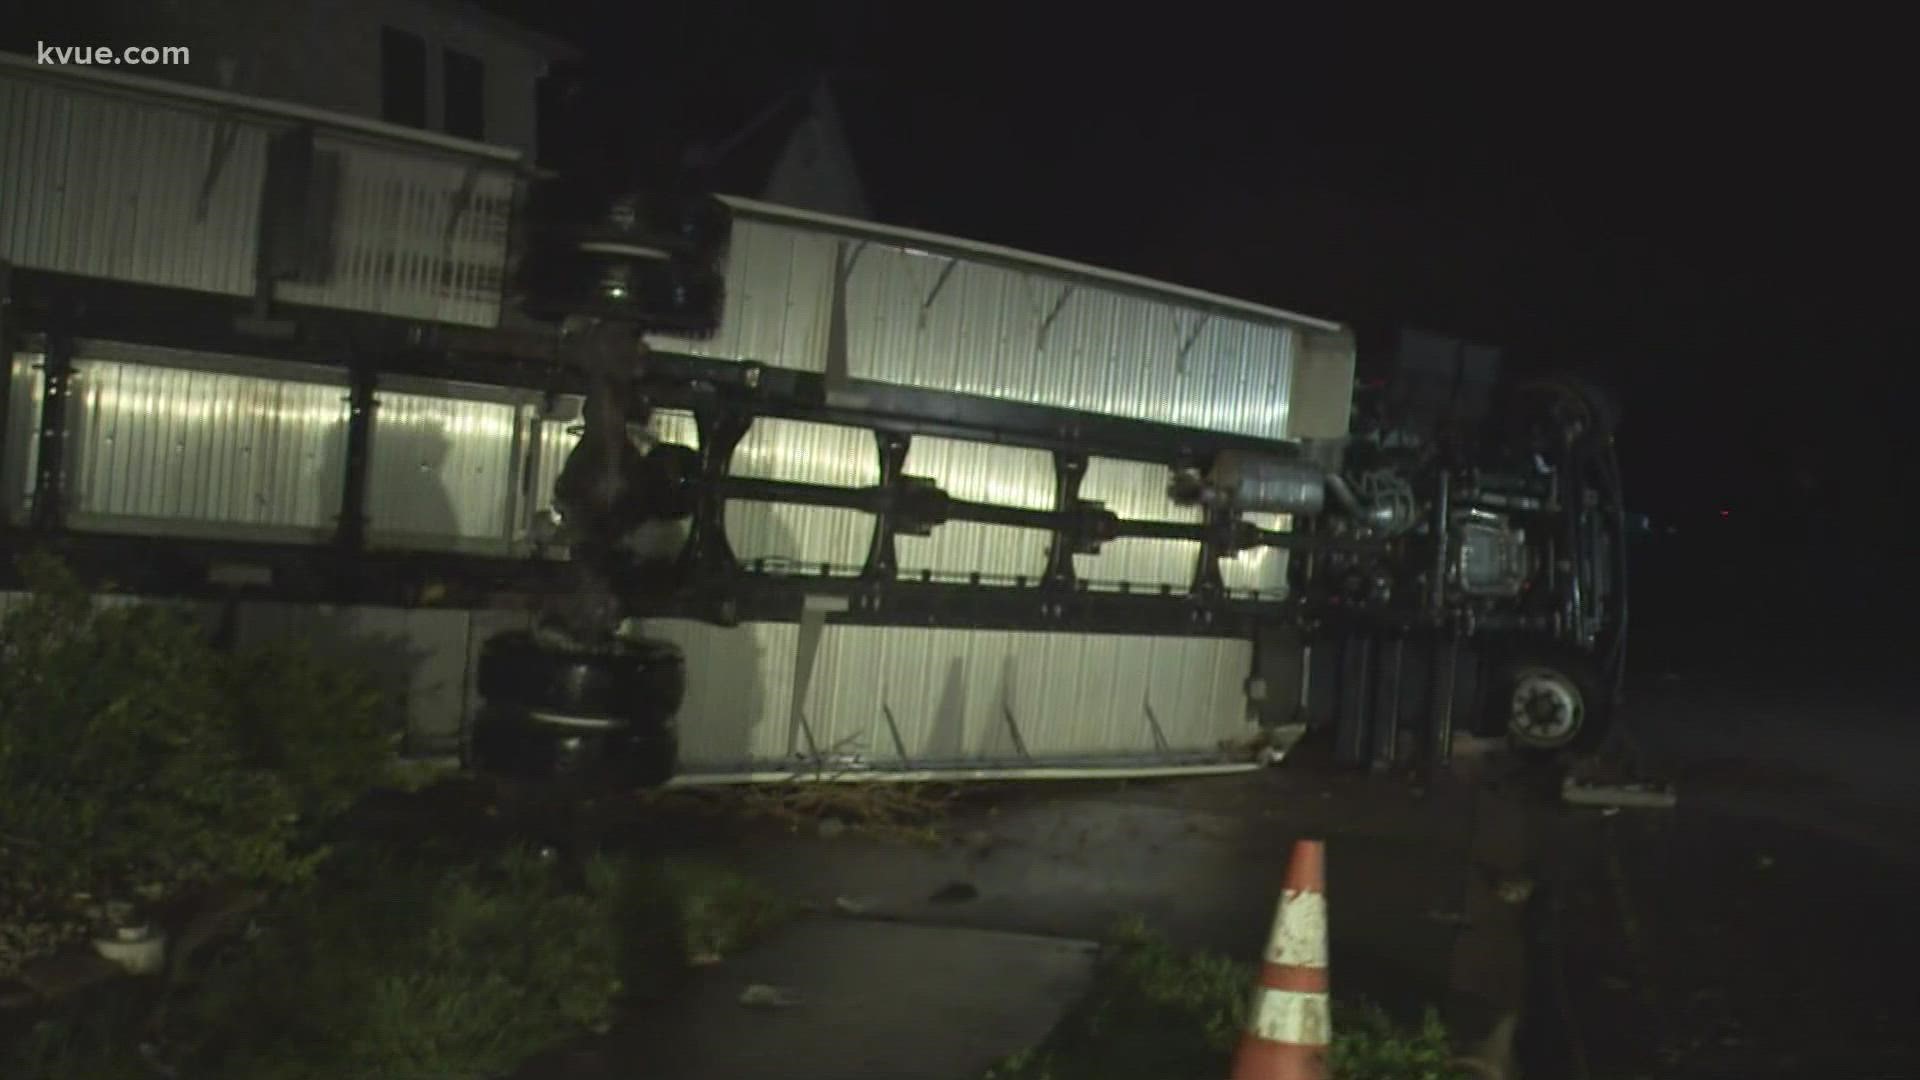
(1290, 1026)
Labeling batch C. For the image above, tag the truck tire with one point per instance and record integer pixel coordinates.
(1547, 703)
(646, 680)
(586, 718)
(517, 743)
(622, 285)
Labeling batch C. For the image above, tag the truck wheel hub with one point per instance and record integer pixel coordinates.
(1546, 710)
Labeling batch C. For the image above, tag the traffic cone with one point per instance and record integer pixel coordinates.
(1290, 1025)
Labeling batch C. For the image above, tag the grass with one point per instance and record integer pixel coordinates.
(408, 971)
(719, 911)
(1158, 1013)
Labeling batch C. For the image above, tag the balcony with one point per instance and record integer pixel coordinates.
(137, 180)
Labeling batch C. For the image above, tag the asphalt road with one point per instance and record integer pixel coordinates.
(1766, 927)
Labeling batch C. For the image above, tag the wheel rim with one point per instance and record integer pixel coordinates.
(1545, 711)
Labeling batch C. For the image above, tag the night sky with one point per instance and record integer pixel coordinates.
(1716, 219)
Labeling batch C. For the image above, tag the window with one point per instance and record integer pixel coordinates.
(466, 100)
(554, 120)
(403, 78)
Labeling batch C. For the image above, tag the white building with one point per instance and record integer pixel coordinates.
(437, 65)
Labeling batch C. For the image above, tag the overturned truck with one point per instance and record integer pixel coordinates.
(1450, 561)
(716, 490)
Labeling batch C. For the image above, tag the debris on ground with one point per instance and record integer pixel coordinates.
(762, 996)
(854, 906)
(1619, 796)
(1515, 891)
(958, 892)
(901, 813)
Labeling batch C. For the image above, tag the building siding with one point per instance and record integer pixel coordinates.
(108, 186)
(326, 53)
(100, 180)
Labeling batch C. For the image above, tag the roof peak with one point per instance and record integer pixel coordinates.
(547, 45)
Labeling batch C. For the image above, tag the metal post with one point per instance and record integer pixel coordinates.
(1442, 513)
(9, 348)
(1386, 711)
(50, 475)
(1354, 701)
(350, 532)
(813, 623)
(1446, 673)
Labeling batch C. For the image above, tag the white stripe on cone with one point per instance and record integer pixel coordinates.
(1289, 1016)
(1299, 931)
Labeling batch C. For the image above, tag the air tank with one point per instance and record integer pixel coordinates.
(1255, 483)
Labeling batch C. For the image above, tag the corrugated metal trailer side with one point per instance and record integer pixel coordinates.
(858, 302)
(945, 314)
(915, 699)
(162, 441)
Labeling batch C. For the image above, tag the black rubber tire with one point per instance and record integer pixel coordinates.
(642, 685)
(508, 741)
(630, 699)
(1577, 671)
(688, 228)
(668, 297)
(691, 228)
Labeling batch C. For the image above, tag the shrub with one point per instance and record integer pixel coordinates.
(1369, 1044)
(403, 968)
(96, 1036)
(408, 971)
(324, 729)
(138, 759)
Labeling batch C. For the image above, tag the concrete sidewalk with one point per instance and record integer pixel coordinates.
(871, 1001)
(1200, 860)
(960, 954)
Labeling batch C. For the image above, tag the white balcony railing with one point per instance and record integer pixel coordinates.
(156, 183)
